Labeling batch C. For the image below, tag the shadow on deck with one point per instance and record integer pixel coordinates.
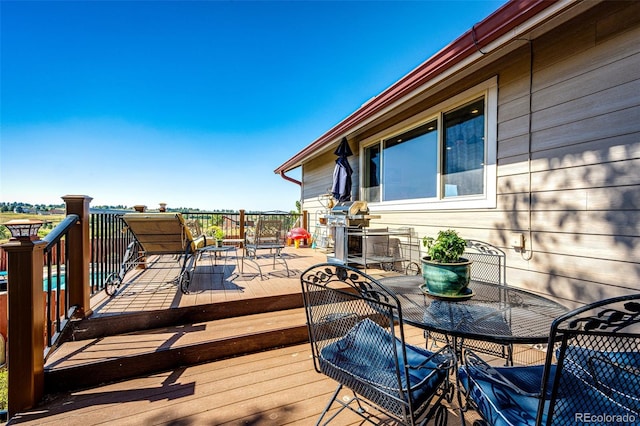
(232, 351)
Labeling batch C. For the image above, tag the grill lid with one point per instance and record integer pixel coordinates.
(351, 208)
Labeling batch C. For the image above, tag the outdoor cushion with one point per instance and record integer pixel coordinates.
(501, 405)
(615, 374)
(361, 353)
(497, 402)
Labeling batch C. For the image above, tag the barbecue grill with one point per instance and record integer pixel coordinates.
(345, 215)
(353, 213)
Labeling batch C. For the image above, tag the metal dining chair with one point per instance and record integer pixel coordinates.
(268, 236)
(357, 339)
(593, 375)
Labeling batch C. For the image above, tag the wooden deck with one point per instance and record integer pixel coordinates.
(275, 387)
(214, 281)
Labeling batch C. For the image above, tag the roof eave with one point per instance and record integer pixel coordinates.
(496, 25)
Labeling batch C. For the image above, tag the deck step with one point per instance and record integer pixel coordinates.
(89, 362)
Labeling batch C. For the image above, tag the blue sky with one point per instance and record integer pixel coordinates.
(194, 103)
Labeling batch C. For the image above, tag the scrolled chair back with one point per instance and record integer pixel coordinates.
(597, 373)
(591, 375)
(357, 338)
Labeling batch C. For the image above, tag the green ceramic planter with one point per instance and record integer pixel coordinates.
(446, 279)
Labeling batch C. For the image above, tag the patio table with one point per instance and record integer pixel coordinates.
(219, 252)
(495, 313)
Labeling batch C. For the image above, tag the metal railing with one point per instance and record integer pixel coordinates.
(234, 224)
(228, 222)
(110, 236)
(71, 263)
(109, 241)
(57, 309)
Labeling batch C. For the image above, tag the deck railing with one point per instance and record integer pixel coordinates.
(56, 301)
(36, 322)
(76, 257)
(109, 241)
(235, 224)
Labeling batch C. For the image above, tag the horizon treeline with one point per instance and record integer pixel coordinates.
(22, 207)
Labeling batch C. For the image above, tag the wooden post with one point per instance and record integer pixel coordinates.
(26, 323)
(305, 225)
(305, 219)
(142, 260)
(78, 284)
(242, 225)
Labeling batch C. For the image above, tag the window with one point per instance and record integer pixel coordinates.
(371, 183)
(463, 157)
(410, 165)
(447, 159)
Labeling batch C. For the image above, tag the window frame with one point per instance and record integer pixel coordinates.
(488, 90)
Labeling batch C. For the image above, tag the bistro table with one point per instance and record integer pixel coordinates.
(495, 313)
(219, 252)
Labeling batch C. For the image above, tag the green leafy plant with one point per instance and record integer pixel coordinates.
(3, 388)
(447, 247)
(215, 231)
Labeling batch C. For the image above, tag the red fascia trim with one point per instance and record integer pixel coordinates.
(506, 18)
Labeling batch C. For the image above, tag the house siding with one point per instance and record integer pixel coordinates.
(318, 178)
(572, 185)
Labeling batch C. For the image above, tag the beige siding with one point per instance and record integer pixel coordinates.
(316, 182)
(514, 146)
(317, 177)
(585, 178)
(617, 148)
(572, 186)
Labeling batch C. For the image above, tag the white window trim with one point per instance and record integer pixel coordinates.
(489, 89)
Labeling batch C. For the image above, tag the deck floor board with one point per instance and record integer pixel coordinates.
(275, 387)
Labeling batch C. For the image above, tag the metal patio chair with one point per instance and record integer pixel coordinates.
(268, 236)
(357, 339)
(488, 266)
(596, 378)
(159, 234)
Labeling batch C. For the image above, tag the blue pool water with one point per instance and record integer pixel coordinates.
(45, 281)
(54, 283)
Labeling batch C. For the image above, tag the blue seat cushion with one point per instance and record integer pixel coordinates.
(579, 394)
(496, 402)
(614, 373)
(366, 352)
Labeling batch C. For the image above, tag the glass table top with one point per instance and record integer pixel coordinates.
(497, 313)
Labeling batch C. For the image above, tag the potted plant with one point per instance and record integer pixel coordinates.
(216, 233)
(445, 272)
